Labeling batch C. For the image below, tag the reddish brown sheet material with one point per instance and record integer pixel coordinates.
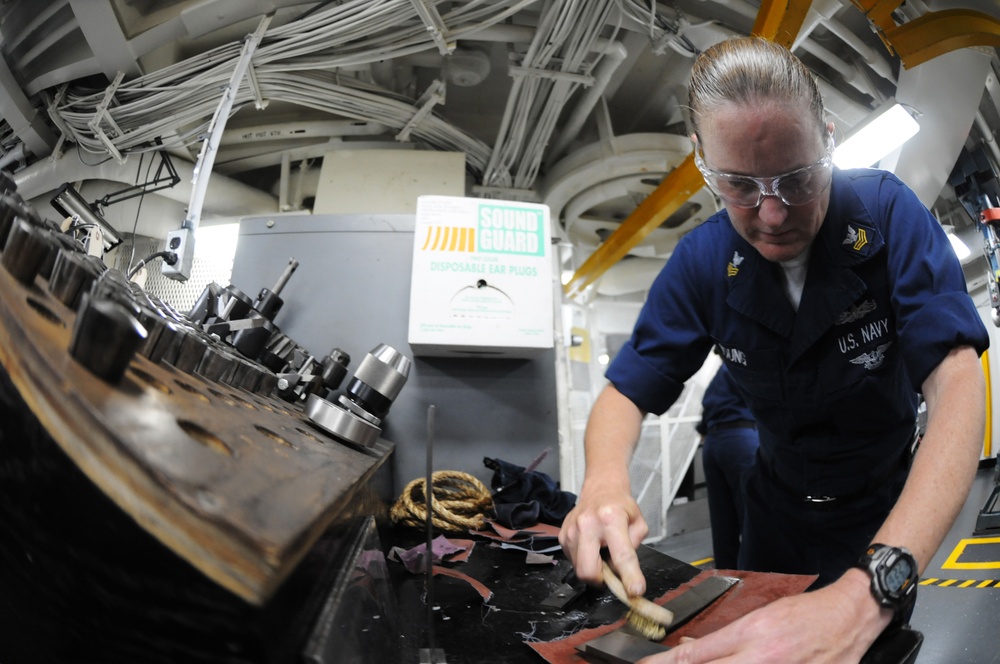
(755, 590)
(483, 591)
(511, 535)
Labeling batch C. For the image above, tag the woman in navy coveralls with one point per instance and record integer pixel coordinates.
(834, 298)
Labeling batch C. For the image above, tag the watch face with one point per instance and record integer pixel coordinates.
(898, 575)
(893, 573)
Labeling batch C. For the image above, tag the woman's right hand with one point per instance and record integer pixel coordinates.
(605, 515)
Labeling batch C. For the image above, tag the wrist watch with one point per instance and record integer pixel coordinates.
(893, 571)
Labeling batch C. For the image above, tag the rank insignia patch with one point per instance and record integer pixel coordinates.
(734, 265)
(857, 238)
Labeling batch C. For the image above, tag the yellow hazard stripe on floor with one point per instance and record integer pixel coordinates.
(960, 583)
(955, 561)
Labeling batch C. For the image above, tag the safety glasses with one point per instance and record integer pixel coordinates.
(797, 187)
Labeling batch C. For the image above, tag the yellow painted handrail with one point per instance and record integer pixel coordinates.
(988, 435)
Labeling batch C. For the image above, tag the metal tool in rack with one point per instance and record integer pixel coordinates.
(231, 315)
(357, 415)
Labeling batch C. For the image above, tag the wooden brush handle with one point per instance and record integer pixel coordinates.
(614, 584)
(640, 605)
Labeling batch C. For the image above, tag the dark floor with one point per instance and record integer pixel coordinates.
(958, 603)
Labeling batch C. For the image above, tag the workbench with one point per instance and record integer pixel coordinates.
(471, 631)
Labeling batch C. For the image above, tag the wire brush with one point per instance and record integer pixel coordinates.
(647, 618)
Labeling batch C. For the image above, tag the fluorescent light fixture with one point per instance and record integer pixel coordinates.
(885, 130)
(69, 203)
(961, 249)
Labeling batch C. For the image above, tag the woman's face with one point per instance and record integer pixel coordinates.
(764, 141)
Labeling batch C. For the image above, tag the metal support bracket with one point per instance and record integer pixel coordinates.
(210, 148)
(535, 72)
(53, 111)
(258, 99)
(435, 25)
(988, 520)
(102, 115)
(433, 96)
(988, 221)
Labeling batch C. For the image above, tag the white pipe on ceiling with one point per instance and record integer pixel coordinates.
(226, 197)
(301, 130)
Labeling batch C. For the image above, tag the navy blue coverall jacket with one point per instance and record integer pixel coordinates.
(833, 386)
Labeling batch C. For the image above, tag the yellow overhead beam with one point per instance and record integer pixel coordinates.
(933, 34)
(879, 12)
(778, 21)
(940, 32)
(679, 185)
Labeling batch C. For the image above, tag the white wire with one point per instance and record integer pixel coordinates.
(565, 41)
(297, 63)
(645, 14)
(178, 101)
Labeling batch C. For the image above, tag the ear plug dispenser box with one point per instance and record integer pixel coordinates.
(482, 278)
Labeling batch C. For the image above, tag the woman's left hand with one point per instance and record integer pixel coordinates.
(832, 625)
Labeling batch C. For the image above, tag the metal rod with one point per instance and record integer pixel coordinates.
(429, 491)
(285, 276)
(227, 308)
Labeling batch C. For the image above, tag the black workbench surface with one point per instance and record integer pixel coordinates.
(470, 631)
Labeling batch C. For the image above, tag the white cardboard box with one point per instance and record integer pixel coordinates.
(482, 278)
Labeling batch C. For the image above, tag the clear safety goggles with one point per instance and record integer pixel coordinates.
(797, 187)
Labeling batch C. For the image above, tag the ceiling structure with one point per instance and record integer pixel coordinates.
(575, 103)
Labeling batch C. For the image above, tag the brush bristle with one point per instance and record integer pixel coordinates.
(647, 627)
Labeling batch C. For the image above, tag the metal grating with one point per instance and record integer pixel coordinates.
(579, 408)
(665, 450)
(215, 266)
(662, 456)
(679, 433)
(646, 474)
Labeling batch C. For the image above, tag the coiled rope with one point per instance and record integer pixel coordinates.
(461, 502)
